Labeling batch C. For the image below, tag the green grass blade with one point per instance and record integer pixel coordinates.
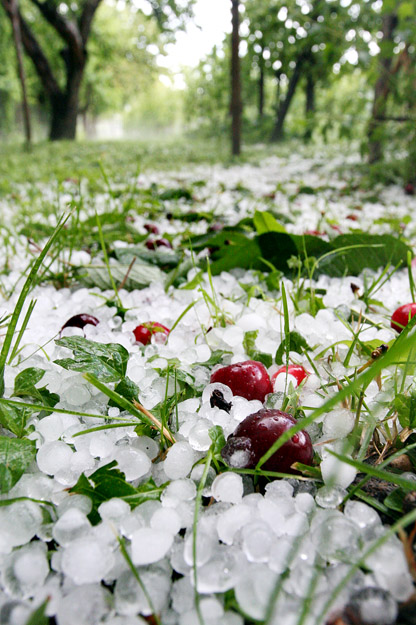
(29, 311)
(402, 345)
(401, 523)
(30, 280)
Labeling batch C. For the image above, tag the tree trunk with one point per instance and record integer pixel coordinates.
(17, 37)
(309, 106)
(64, 106)
(236, 105)
(261, 87)
(283, 107)
(64, 102)
(381, 92)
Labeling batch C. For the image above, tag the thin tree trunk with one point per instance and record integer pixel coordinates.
(17, 37)
(236, 105)
(283, 108)
(64, 102)
(381, 92)
(309, 106)
(261, 86)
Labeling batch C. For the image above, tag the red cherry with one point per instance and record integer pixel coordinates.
(352, 217)
(247, 379)
(151, 228)
(402, 315)
(145, 331)
(255, 435)
(80, 321)
(315, 233)
(298, 372)
(152, 244)
(409, 189)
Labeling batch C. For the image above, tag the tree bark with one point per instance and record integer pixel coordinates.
(17, 37)
(309, 106)
(261, 86)
(236, 104)
(381, 92)
(283, 108)
(64, 102)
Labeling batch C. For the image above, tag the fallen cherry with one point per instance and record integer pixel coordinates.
(402, 315)
(315, 233)
(255, 435)
(80, 321)
(409, 189)
(152, 244)
(151, 228)
(247, 379)
(297, 371)
(145, 331)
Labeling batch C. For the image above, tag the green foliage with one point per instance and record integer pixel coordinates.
(108, 362)
(249, 344)
(405, 406)
(16, 454)
(296, 344)
(25, 386)
(108, 482)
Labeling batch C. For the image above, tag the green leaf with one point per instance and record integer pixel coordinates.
(277, 248)
(405, 405)
(215, 359)
(24, 386)
(406, 9)
(108, 482)
(106, 361)
(249, 344)
(216, 434)
(296, 344)
(26, 380)
(38, 616)
(128, 389)
(395, 500)
(266, 222)
(16, 454)
(161, 257)
(240, 252)
(14, 418)
(374, 251)
(139, 276)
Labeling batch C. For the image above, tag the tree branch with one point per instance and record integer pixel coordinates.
(386, 118)
(87, 15)
(67, 30)
(35, 52)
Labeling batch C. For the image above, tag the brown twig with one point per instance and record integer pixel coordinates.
(124, 280)
(156, 421)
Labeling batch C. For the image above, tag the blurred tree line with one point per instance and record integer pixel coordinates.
(308, 68)
(84, 58)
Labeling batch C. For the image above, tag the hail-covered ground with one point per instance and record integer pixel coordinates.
(167, 528)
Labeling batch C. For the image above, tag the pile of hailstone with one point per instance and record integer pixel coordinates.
(187, 556)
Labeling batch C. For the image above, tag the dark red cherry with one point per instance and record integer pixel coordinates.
(151, 228)
(80, 321)
(402, 315)
(247, 379)
(409, 189)
(315, 233)
(152, 244)
(298, 372)
(145, 331)
(255, 435)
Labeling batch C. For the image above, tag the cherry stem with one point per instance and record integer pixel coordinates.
(156, 421)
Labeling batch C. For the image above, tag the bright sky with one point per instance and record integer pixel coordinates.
(214, 19)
